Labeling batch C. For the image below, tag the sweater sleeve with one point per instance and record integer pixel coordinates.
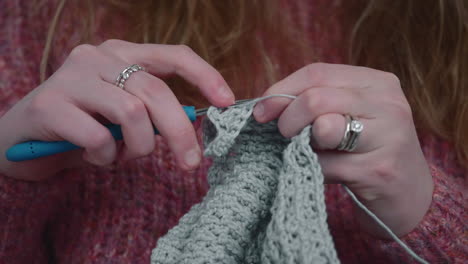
(25, 207)
(441, 236)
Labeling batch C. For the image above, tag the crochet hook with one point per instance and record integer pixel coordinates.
(35, 149)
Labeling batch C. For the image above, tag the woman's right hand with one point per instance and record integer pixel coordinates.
(69, 104)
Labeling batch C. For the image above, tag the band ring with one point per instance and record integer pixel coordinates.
(352, 131)
(125, 74)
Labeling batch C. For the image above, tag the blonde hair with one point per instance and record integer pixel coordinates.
(253, 44)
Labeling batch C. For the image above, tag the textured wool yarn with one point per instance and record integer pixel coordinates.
(265, 203)
(266, 199)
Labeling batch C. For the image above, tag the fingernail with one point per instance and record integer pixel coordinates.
(192, 157)
(259, 110)
(225, 92)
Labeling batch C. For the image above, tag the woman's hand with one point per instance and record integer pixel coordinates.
(387, 170)
(70, 103)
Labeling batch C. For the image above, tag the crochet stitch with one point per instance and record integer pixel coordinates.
(116, 214)
(265, 203)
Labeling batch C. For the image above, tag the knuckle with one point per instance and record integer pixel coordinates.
(215, 80)
(99, 139)
(315, 71)
(183, 134)
(318, 65)
(314, 100)
(112, 43)
(132, 109)
(191, 63)
(392, 78)
(40, 104)
(384, 170)
(399, 108)
(82, 51)
(151, 87)
(184, 50)
(403, 111)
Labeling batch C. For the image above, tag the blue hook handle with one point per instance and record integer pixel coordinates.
(35, 149)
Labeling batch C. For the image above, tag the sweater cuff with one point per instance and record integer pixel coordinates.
(439, 235)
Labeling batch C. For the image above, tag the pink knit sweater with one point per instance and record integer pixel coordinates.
(115, 214)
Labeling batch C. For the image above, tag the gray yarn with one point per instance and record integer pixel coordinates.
(265, 203)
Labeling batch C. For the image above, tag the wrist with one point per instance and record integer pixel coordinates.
(401, 211)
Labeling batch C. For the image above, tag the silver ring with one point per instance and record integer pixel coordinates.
(125, 74)
(352, 131)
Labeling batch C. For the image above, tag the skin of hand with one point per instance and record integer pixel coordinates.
(387, 170)
(69, 105)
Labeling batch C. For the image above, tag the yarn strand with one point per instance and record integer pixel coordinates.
(384, 226)
(359, 204)
(266, 199)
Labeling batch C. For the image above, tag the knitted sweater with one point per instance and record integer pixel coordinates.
(115, 214)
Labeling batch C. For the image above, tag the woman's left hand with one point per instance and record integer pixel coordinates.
(387, 169)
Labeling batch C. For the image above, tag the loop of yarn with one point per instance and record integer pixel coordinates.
(265, 203)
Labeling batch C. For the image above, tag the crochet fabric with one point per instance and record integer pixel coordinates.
(265, 203)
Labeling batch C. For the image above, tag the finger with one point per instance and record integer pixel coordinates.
(325, 75)
(328, 130)
(331, 75)
(164, 109)
(319, 101)
(119, 107)
(70, 123)
(168, 116)
(338, 167)
(74, 158)
(162, 60)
